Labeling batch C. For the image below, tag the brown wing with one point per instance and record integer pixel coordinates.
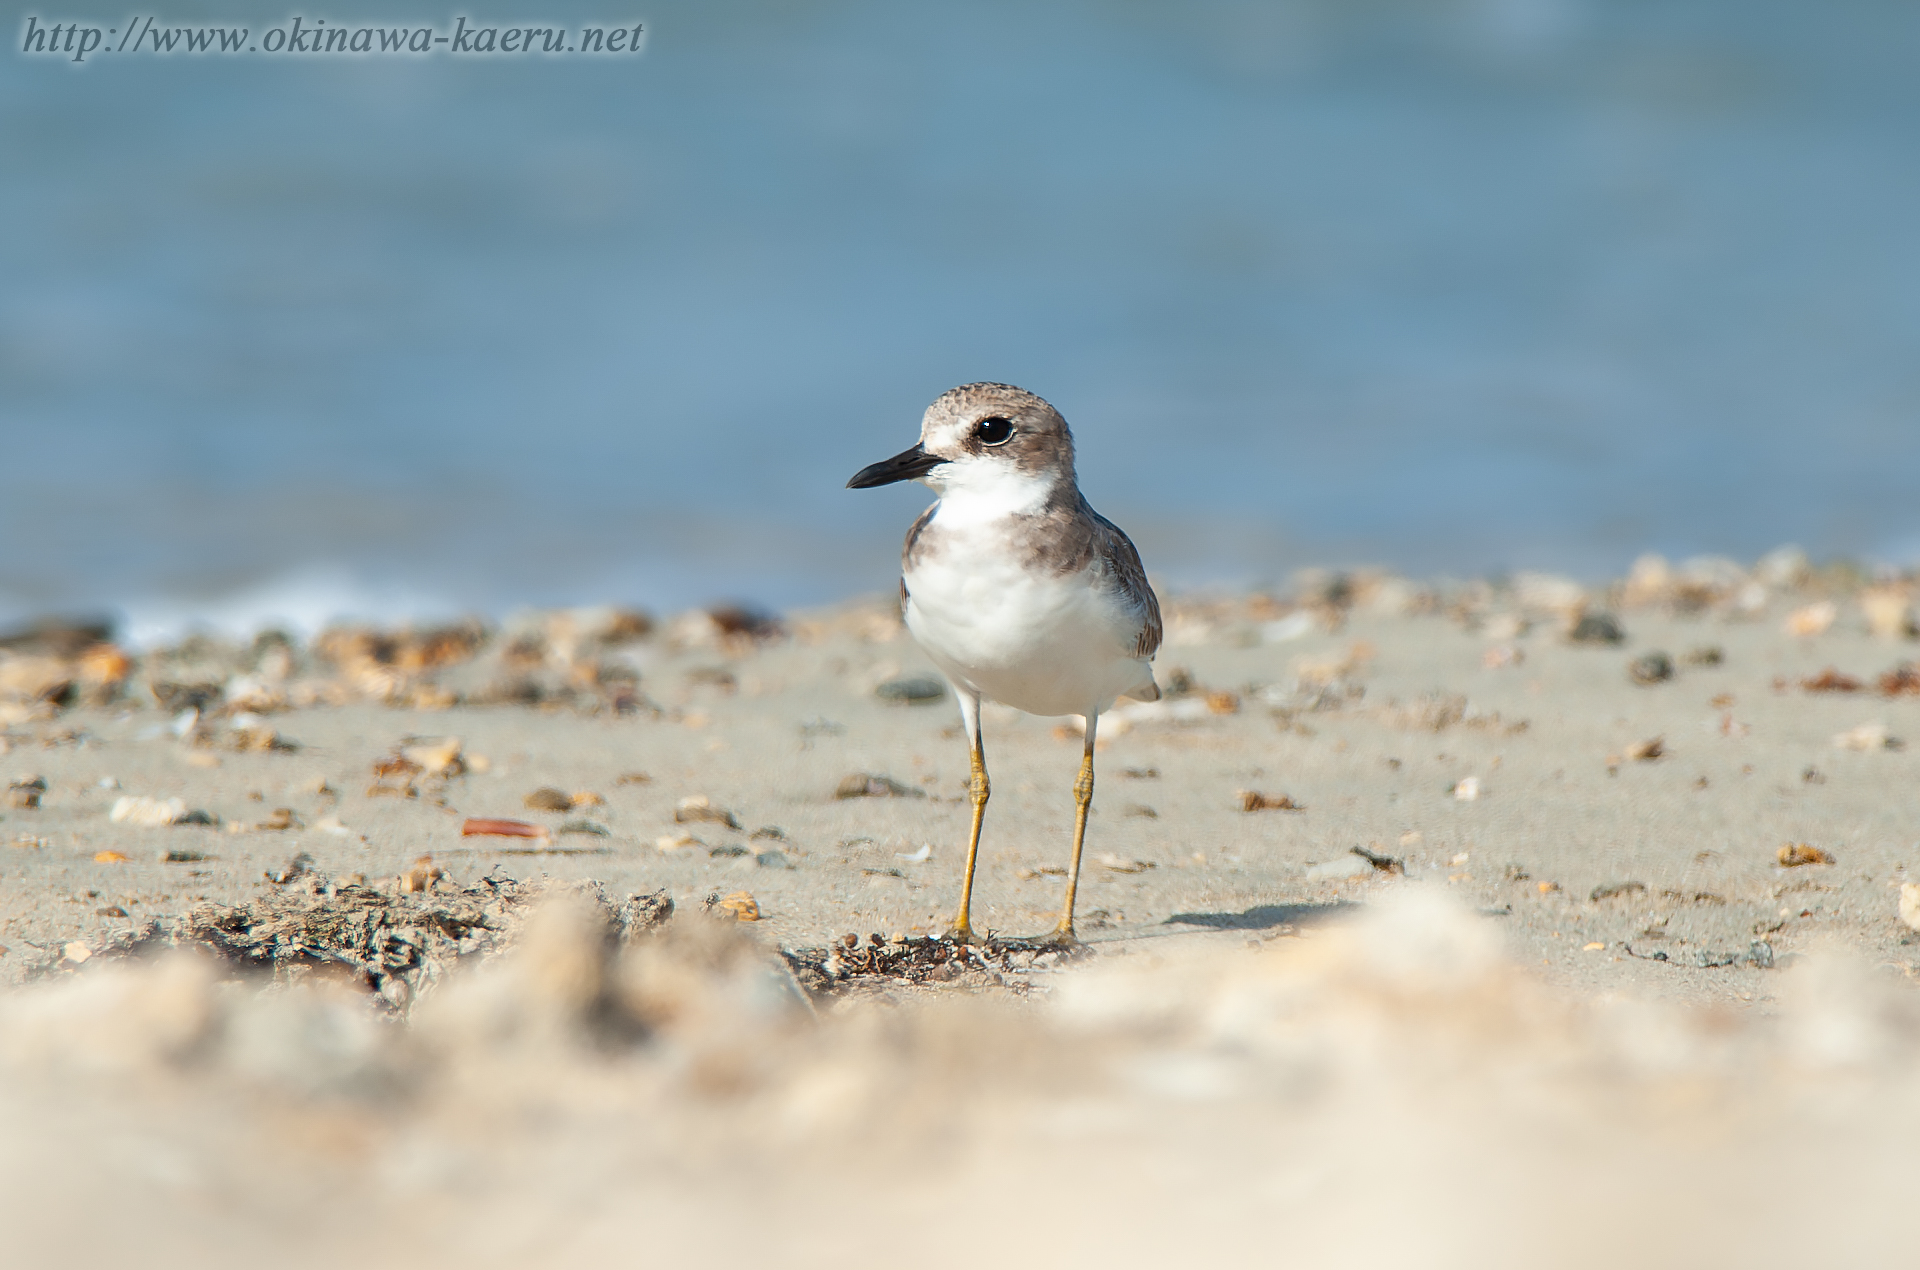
(911, 550)
(1122, 564)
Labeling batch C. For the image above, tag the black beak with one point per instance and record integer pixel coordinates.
(908, 465)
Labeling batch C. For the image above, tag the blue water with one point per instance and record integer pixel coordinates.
(1441, 285)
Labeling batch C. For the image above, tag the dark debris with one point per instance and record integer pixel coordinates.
(918, 961)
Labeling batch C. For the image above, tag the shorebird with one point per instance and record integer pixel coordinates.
(1018, 590)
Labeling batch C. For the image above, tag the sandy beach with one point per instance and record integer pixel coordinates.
(1406, 897)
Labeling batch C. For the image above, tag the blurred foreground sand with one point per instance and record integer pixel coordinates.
(1391, 1092)
(1587, 1017)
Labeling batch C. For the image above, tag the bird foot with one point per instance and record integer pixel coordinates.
(962, 933)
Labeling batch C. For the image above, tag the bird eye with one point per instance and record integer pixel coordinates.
(994, 431)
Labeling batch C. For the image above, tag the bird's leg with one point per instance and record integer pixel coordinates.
(1063, 935)
(977, 790)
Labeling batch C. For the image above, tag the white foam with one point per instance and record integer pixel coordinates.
(301, 603)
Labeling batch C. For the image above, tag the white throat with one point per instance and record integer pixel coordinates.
(981, 491)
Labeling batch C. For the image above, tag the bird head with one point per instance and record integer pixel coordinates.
(991, 439)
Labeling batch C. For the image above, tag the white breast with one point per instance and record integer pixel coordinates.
(1038, 641)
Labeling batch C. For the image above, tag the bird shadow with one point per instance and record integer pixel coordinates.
(1264, 916)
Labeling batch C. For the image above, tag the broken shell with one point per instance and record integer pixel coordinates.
(741, 906)
(1796, 854)
(1910, 905)
(675, 842)
(699, 809)
(1347, 866)
(1868, 736)
(1252, 800)
(24, 794)
(1467, 789)
(148, 813)
(109, 857)
(485, 827)
(1902, 681)
(103, 665)
(1831, 680)
(422, 875)
(1647, 751)
(1812, 619)
(437, 756)
(31, 678)
(1889, 612)
(587, 798)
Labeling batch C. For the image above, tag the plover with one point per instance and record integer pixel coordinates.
(1019, 591)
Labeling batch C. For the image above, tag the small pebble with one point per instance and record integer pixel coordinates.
(1650, 668)
(1598, 628)
(868, 785)
(547, 798)
(698, 809)
(919, 691)
(1611, 890)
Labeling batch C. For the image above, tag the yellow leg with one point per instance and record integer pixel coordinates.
(1082, 801)
(978, 789)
